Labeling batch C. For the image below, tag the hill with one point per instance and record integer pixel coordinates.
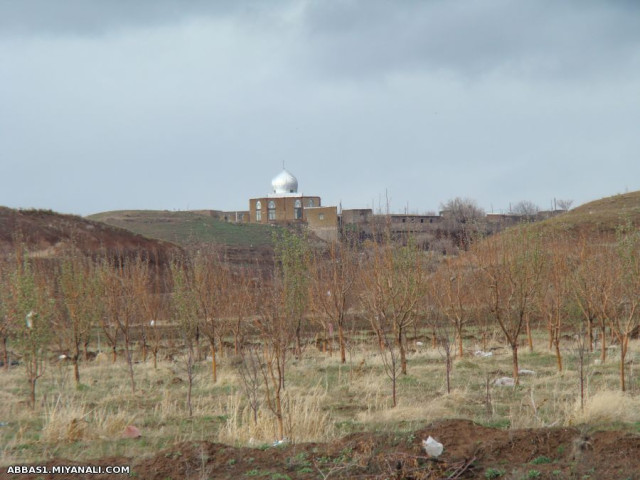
(600, 216)
(49, 234)
(188, 227)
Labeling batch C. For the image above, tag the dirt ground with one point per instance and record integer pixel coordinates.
(470, 451)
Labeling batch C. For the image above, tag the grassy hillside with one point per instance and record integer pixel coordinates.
(187, 228)
(603, 215)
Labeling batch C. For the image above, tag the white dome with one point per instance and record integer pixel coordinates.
(284, 182)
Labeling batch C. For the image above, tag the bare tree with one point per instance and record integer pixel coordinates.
(5, 323)
(155, 305)
(393, 285)
(594, 285)
(250, 369)
(292, 258)
(108, 323)
(564, 204)
(582, 287)
(30, 308)
(627, 318)
(186, 313)
(390, 362)
(525, 208)
(80, 307)
(464, 218)
(333, 286)
(581, 347)
(453, 292)
(275, 330)
(512, 265)
(240, 306)
(556, 295)
(209, 285)
(446, 346)
(122, 279)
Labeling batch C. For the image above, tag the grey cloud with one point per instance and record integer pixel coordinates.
(97, 17)
(193, 104)
(358, 38)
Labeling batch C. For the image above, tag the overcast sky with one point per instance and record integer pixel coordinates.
(178, 104)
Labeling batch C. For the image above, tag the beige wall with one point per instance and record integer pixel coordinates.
(323, 221)
(322, 217)
(359, 215)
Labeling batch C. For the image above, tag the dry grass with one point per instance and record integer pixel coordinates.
(603, 215)
(323, 399)
(607, 407)
(304, 419)
(67, 421)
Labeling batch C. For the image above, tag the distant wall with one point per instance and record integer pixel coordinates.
(356, 216)
(323, 221)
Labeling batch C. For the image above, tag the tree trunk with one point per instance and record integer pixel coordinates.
(214, 365)
(448, 370)
(222, 349)
(279, 415)
(323, 341)
(403, 353)
(144, 350)
(343, 350)
(197, 340)
(114, 355)
(460, 346)
(5, 353)
(514, 352)
(281, 367)
(527, 325)
(76, 368)
(393, 388)
(558, 354)
(190, 379)
(624, 343)
(127, 350)
(603, 343)
(32, 392)
(298, 341)
(380, 339)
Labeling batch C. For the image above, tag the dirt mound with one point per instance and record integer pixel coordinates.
(471, 451)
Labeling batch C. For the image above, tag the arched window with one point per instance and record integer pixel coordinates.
(297, 210)
(271, 210)
(258, 211)
(310, 202)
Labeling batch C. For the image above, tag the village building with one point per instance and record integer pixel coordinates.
(285, 206)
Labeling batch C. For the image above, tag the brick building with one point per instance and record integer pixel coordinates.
(284, 204)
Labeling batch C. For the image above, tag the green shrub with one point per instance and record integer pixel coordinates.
(490, 473)
(541, 460)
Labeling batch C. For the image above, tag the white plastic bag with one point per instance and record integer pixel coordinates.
(432, 447)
